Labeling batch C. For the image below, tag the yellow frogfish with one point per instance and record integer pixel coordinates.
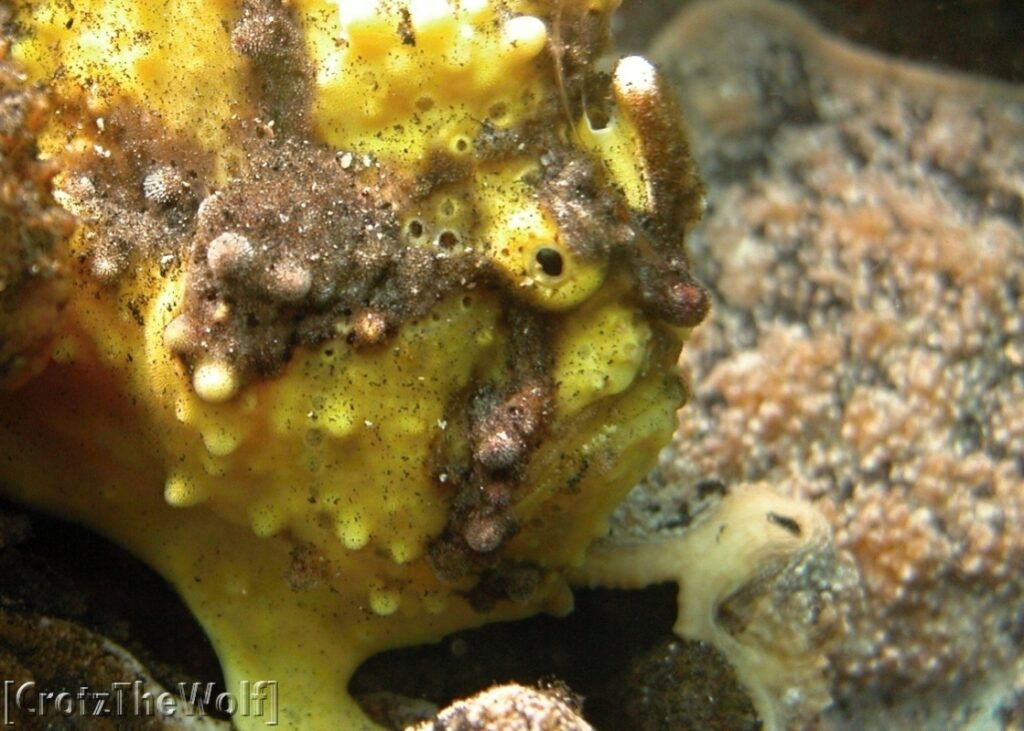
(369, 319)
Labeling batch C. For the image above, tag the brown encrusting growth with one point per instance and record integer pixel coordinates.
(865, 249)
(506, 431)
(512, 708)
(595, 223)
(310, 568)
(673, 208)
(268, 34)
(504, 428)
(303, 242)
(589, 216)
(33, 228)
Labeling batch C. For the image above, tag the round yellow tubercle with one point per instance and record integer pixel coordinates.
(215, 382)
(181, 491)
(352, 529)
(384, 601)
(220, 440)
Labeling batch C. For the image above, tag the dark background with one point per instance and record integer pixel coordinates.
(981, 36)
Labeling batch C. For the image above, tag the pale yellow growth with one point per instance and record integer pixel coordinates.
(353, 530)
(220, 441)
(384, 601)
(181, 491)
(744, 541)
(403, 552)
(215, 382)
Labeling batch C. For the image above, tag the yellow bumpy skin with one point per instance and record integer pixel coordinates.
(374, 311)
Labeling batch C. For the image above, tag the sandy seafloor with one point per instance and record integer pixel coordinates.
(863, 240)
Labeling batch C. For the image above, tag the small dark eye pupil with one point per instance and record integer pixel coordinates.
(550, 261)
